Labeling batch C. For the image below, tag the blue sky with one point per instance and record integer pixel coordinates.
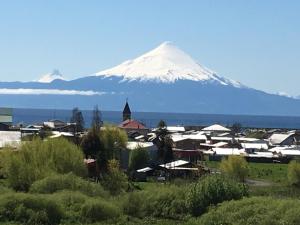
(255, 42)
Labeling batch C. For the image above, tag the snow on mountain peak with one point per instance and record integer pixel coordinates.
(166, 63)
(48, 78)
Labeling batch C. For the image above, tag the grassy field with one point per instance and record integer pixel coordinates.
(272, 172)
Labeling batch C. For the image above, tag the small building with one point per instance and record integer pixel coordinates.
(284, 139)
(10, 138)
(216, 129)
(6, 118)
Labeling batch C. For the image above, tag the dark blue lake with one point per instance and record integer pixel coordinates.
(30, 116)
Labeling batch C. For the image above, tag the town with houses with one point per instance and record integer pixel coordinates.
(191, 145)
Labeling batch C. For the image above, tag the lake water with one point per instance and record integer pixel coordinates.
(151, 119)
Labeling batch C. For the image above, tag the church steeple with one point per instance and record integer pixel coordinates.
(126, 112)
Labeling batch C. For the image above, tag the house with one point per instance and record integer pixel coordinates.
(216, 128)
(55, 124)
(189, 141)
(281, 139)
(4, 126)
(254, 147)
(10, 138)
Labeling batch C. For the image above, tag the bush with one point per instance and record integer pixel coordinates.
(138, 158)
(294, 173)
(115, 181)
(98, 210)
(39, 159)
(160, 202)
(70, 182)
(134, 204)
(29, 209)
(236, 167)
(212, 190)
(252, 211)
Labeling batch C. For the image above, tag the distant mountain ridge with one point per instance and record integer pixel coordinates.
(163, 80)
(48, 78)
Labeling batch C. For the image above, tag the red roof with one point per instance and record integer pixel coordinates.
(132, 124)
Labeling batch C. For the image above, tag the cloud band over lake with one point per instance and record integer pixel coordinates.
(28, 91)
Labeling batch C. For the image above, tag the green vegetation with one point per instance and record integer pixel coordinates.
(160, 202)
(59, 182)
(235, 167)
(29, 209)
(273, 172)
(138, 159)
(212, 190)
(115, 181)
(38, 159)
(253, 211)
(294, 173)
(104, 144)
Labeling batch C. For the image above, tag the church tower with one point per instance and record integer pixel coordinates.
(126, 112)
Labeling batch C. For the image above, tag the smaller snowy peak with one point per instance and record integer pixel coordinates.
(48, 78)
(166, 63)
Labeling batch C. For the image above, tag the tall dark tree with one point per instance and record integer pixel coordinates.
(168, 150)
(161, 124)
(91, 144)
(78, 119)
(97, 118)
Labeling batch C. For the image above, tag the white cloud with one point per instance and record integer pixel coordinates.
(28, 91)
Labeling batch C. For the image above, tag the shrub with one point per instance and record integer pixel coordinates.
(294, 173)
(138, 158)
(71, 203)
(69, 181)
(212, 190)
(134, 204)
(115, 181)
(252, 211)
(160, 202)
(39, 159)
(98, 210)
(29, 209)
(236, 167)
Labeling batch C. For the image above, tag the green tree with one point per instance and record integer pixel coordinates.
(168, 150)
(115, 181)
(114, 140)
(138, 158)
(78, 119)
(235, 167)
(91, 143)
(294, 173)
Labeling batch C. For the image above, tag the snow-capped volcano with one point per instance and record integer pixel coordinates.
(166, 63)
(48, 78)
